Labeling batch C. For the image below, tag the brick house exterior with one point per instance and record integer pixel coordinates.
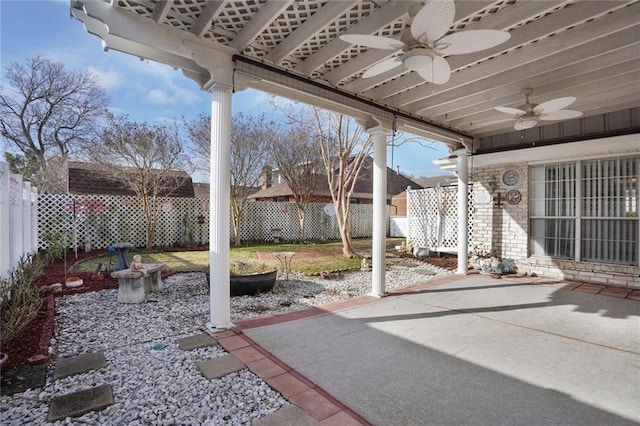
(506, 228)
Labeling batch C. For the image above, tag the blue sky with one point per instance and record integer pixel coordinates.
(145, 90)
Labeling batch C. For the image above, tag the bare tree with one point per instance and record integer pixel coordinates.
(47, 111)
(295, 150)
(344, 146)
(146, 159)
(249, 154)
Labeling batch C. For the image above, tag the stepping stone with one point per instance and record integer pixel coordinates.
(424, 272)
(220, 366)
(78, 403)
(287, 416)
(198, 341)
(79, 364)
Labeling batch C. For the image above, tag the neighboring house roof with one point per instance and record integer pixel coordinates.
(83, 181)
(201, 189)
(433, 181)
(396, 183)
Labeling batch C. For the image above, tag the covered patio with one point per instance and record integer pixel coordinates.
(471, 350)
(292, 48)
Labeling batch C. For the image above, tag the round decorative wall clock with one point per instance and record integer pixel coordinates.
(513, 197)
(512, 177)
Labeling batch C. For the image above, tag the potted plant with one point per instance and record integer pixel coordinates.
(73, 281)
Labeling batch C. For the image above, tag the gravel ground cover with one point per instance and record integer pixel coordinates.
(165, 386)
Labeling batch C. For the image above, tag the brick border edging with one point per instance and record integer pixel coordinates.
(221, 336)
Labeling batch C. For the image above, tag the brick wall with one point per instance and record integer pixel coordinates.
(504, 230)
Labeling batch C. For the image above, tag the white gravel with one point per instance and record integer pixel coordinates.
(165, 387)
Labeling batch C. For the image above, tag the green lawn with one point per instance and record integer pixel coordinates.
(184, 261)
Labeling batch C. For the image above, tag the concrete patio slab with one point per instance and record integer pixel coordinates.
(79, 364)
(473, 351)
(220, 366)
(287, 416)
(78, 403)
(198, 341)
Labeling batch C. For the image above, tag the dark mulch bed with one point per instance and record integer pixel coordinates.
(31, 346)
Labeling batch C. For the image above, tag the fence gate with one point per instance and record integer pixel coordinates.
(432, 216)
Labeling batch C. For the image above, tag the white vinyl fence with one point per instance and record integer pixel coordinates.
(95, 222)
(18, 219)
(432, 216)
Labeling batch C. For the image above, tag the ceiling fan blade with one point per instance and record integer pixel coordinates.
(372, 41)
(435, 70)
(471, 41)
(563, 114)
(525, 124)
(383, 66)
(434, 20)
(513, 111)
(554, 105)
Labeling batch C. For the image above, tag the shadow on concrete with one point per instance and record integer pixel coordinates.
(391, 380)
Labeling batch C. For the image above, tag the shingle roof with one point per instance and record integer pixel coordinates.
(82, 181)
(396, 183)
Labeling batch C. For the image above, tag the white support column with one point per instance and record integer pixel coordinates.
(5, 185)
(220, 181)
(463, 211)
(379, 211)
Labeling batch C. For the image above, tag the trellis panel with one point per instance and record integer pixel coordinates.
(432, 216)
(96, 221)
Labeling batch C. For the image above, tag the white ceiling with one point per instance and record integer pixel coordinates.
(586, 49)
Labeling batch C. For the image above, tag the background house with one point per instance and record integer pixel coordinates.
(274, 188)
(81, 180)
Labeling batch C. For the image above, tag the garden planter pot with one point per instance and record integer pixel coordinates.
(242, 285)
(74, 282)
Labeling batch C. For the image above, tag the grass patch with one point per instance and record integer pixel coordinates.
(187, 261)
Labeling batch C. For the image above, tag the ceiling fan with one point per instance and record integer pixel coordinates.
(528, 114)
(424, 44)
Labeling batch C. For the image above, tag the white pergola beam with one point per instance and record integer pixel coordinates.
(161, 10)
(329, 12)
(377, 20)
(261, 20)
(203, 23)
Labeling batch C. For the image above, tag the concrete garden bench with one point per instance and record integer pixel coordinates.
(133, 286)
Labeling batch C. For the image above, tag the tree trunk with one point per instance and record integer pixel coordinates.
(236, 229)
(151, 231)
(345, 233)
(300, 212)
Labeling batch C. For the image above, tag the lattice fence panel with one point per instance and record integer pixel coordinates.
(95, 222)
(433, 217)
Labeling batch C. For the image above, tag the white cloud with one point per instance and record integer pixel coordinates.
(108, 79)
(159, 96)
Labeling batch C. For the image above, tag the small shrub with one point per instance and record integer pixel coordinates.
(54, 240)
(20, 297)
